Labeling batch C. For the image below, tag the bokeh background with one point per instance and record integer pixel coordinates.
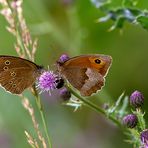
(68, 26)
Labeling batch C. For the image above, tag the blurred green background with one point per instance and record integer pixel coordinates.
(68, 26)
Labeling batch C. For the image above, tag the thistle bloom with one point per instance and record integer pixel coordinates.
(136, 99)
(47, 81)
(144, 138)
(130, 120)
(65, 94)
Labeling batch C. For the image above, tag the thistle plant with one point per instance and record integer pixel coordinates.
(132, 124)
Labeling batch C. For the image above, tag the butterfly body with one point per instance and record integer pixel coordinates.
(17, 74)
(86, 72)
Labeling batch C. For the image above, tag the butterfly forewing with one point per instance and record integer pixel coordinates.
(84, 73)
(15, 62)
(73, 74)
(17, 74)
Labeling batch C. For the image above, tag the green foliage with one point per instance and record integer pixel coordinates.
(126, 12)
(129, 3)
(143, 20)
(114, 107)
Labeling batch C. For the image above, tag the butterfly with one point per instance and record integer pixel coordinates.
(17, 74)
(86, 73)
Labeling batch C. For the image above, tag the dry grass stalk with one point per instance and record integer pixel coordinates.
(29, 108)
(32, 142)
(25, 48)
(13, 13)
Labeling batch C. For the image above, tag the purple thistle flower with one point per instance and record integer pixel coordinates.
(144, 138)
(63, 58)
(47, 81)
(65, 94)
(136, 99)
(130, 120)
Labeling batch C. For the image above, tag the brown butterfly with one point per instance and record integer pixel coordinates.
(17, 74)
(86, 72)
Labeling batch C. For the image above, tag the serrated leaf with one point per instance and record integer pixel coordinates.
(117, 103)
(122, 111)
(143, 20)
(73, 102)
(118, 24)
(104, 19)
(120, 15)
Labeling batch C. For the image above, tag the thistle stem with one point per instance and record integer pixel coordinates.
(93, 106)
(141, 120)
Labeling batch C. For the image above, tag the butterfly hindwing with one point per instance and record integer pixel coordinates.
(94, 82)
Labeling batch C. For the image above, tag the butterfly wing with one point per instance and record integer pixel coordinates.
(17, 74)
(84, 74)
(94, 82)
(75, 76)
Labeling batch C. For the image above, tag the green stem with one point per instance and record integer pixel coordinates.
(41, 110)
(45, 127)
(94, 107)
(141, 120)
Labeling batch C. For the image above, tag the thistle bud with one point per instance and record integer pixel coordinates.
(130, 120)
(136, 99)
(144, 138)
(63, 58)
(65, 94)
